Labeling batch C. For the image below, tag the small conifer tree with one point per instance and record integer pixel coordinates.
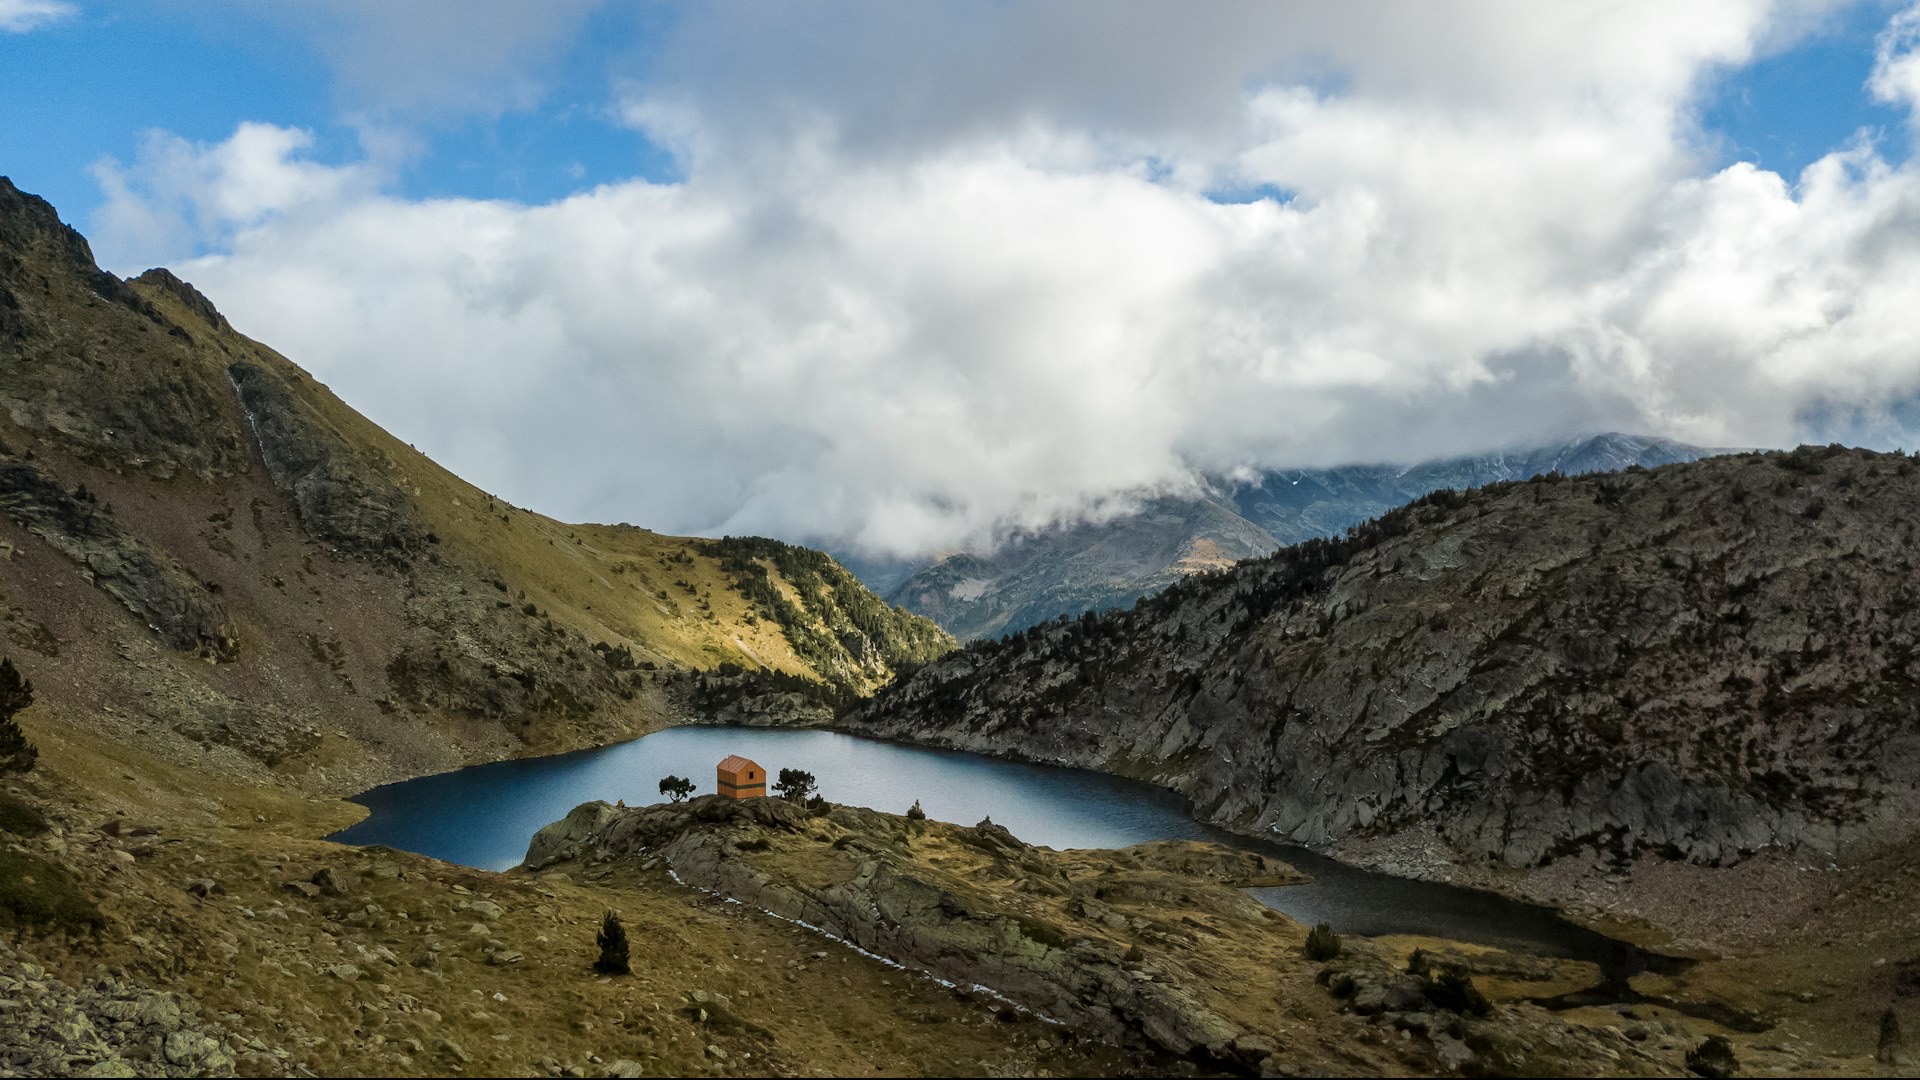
(1322, 942)
(613, 947)
(1451, 988)
(676, 788)
(16, 693)
(914, 813)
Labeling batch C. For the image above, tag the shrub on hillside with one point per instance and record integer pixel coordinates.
(1452, 989)
(37, 894)
(613, 947)
(1713, 1058)
(20, 817)
(1322, 942)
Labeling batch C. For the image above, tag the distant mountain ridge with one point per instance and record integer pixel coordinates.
(1099, 566)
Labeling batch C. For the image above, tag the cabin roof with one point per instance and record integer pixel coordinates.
(735, 763)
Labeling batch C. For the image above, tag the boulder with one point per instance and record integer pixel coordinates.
(564, 838)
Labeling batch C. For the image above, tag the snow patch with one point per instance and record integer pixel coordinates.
(969, 589)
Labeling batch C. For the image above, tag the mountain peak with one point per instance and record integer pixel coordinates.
(28, 221)
(193, 299)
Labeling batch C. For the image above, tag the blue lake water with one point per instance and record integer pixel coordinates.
(484, 816)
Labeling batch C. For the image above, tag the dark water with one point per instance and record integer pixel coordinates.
(483, 817)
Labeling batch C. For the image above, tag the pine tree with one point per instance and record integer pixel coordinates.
(613, 947)
(795, 784)
(16, 693)
(1322, 942)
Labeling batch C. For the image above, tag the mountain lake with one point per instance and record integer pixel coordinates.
(483, 816)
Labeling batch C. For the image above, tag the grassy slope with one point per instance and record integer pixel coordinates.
(603, 580)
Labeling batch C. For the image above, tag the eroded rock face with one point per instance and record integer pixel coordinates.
(261, 730)
(341, 501)
(161, 593)
(1697, 662)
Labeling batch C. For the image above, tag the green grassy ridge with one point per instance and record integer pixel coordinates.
(833, 606)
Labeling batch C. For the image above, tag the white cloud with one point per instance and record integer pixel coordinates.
(20, 16)
(1896, 68)
(179, 197)
(916, 289)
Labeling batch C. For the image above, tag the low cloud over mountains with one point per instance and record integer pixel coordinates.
(1063, 259)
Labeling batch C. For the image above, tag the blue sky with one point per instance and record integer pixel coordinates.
(905, 278)
(1786, 109)
(90, 84)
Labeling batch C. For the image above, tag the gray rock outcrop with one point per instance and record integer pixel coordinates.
(568, 837)
(342, 500)
(1700, 662)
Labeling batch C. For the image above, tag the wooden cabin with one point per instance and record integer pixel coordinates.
(742, 778)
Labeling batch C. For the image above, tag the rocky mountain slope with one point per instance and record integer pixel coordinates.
(1096, 566)
(1697, 662)
(207, 553)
